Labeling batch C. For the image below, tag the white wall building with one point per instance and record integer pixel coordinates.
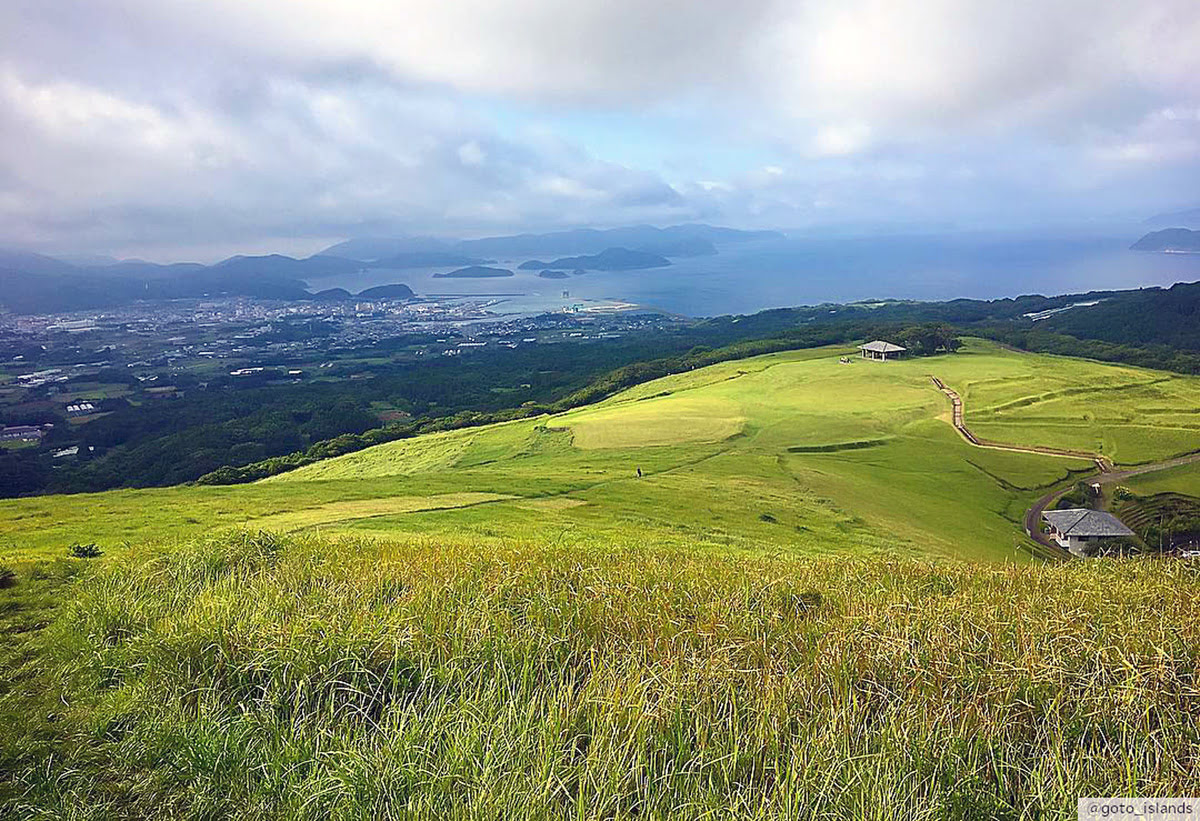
(1077, 529)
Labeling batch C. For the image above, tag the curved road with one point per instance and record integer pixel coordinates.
(1105, 473)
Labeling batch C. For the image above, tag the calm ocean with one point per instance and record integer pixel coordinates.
(799, 271)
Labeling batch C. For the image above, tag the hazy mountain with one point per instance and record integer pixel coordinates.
(369, 249)
(1170, 241)
(430, 252)
(679, 247)
(33, 263)
(611, 259)
(88, 260)
(396, 291)
(279, 265)
(475, 272)
(426, 259)
(139, 269)
(32, 283)
(1188, 218)
(679, 240)
(717, 234)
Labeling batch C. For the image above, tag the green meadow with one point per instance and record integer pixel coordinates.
(791, 451)
(815, 601)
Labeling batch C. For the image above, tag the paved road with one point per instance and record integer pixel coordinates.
(1105, 474)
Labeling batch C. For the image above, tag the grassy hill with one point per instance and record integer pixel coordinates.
(815, 599)
(790, 451)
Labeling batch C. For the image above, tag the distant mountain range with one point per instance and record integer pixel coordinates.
(674, 241)
(368, 249)
(426, 259)
(1170, 241)
(32, 283)
(610, 259)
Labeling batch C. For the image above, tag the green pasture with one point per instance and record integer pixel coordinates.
(815, 601)
(791, 451)
(1184, 479)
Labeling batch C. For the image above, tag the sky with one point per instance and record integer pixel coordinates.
(194, 129)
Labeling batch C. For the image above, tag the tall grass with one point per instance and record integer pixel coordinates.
(253, 676)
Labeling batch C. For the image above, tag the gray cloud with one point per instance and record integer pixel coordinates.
(131, 126)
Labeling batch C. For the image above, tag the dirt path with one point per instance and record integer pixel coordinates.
(1105, 473)
(1102, 463)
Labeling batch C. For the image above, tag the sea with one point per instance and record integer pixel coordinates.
(752, 276)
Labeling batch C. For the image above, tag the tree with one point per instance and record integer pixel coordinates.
(929, 339)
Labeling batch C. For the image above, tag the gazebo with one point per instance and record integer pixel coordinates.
(881, 350)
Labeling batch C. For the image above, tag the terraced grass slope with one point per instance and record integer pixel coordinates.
(792, 451)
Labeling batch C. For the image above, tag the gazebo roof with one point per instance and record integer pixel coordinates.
(879, 346)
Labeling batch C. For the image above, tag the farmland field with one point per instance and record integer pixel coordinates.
(816, 593)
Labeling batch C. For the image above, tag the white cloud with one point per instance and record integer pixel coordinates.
(125, 123)
(469, 153)
(840, 140)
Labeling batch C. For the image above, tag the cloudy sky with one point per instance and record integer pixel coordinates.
(197, 128)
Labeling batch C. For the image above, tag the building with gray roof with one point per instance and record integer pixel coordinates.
(1076, 528)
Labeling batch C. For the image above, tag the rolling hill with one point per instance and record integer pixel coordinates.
(773, 587)
(722, 446)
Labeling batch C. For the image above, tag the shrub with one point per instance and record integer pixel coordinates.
(1113, 547)
(85, 551)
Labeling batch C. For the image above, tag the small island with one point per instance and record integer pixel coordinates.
(547, 274)
(1170, 241)
(475, 272)
(611, 259)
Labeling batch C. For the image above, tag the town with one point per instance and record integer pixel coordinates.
(70, 369)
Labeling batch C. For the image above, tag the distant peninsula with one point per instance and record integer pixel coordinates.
(611, 259)
(475, 272)
(1170, 241)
